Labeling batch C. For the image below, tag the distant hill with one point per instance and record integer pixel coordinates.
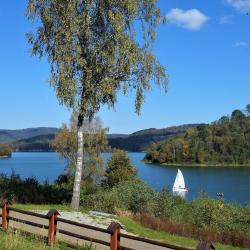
(37, 139)
(140, 140)
(9, 136)
(38, 143)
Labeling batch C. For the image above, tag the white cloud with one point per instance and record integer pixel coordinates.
(191, 19)
(240, 44)
(227, 19)
(240, 5)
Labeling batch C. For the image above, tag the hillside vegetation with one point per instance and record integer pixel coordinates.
(226, 141)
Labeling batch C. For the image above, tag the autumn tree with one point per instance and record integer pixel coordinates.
(5, 150)
(96, 48)
(95, 142)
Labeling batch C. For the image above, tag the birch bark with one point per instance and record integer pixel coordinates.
(78, 174)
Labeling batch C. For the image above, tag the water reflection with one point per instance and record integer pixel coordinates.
(182, 194)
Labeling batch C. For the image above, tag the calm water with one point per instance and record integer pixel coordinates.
(234, 183)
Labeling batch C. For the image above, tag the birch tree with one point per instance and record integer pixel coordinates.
(96, 48)
(95, 142)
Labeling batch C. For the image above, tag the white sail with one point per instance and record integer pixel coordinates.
(179, 183)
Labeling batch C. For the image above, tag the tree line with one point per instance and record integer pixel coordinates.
(226, 141)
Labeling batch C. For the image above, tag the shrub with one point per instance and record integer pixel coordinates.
(119, 168)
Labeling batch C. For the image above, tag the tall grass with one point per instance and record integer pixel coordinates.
(15, 240)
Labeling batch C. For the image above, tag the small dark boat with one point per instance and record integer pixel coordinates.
(220, 194)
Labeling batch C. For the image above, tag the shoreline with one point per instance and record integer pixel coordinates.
(4, 156)
(212, 165)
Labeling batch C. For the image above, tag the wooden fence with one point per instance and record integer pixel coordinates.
(114, 230)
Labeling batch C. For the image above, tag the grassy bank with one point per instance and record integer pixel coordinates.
(14, 240)
(136, 228)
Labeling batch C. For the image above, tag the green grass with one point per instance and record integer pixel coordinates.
(136, 228)
(14, 240)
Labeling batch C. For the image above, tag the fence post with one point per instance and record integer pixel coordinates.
(205, 245)
(115, 230)
(52, 216)
(5, 214)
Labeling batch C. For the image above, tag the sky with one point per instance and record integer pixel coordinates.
(204, 46)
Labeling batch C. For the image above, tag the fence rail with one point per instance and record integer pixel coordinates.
(114, 230)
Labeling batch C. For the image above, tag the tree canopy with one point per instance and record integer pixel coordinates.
(93, 49)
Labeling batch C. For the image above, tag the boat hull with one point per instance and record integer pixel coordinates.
(180, 190)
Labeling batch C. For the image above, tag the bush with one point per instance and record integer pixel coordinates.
(29, 190)
(134, 196)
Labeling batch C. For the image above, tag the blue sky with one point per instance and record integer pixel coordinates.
(205, 47)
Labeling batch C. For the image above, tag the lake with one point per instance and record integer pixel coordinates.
(233, 182)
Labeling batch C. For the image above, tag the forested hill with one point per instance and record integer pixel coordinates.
(140, 140)
(9, 136)
(226, 141)
(37, 139)
(40, 143)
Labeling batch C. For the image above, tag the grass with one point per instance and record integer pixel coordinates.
(13, 240)
(65, 207)
(136, 228)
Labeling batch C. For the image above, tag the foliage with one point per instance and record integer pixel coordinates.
(95, 142)
(225, 141)
(93, 50)
(132, 196)
(5, 150)
(119, 168)
(15, 189)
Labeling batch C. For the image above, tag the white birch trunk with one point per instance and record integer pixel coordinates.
(78, 174)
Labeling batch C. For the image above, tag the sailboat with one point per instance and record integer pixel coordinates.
(179, 183)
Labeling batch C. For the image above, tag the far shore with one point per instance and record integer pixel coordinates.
(183, 164)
